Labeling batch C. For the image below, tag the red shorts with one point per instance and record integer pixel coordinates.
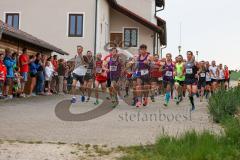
(101, 79)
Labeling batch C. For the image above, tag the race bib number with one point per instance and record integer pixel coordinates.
(98, 70)
(189, 71)
(144, 72)
(89, 71)
(113, 68)
(169, 74)
(203, 75)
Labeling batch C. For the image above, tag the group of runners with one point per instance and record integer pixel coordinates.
(145, 76)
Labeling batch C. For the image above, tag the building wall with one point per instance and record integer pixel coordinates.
(136, 6)
(48, 20)
(119, 21)
(103, 26)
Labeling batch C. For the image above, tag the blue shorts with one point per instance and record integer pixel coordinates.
(25, 76)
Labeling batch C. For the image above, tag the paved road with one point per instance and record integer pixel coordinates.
(34, 119)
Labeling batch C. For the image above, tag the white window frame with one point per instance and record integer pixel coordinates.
(12, 12)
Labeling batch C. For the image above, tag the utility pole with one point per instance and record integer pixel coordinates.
(180, 38)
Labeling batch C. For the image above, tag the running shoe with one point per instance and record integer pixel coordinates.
(153, 99)
(138, 104)
(74, 100)
(97, 102)
(133, 102)
(145, 101)
(193, 108)
(83, 98)
(88, 99)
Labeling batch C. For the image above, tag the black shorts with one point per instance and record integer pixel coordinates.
(221, 81)
(214, 80)
(208, 83)
(145, 79)
(181, 83)
(190, 81)
(88, 77)
(202, 84)
(227, 80)
(171, 83)
(32, 75)
(78, 78)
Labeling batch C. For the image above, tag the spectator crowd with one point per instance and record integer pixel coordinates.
(30, 75)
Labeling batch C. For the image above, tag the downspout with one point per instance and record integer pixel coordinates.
(1, 32)
(154, 44)
(96, 17)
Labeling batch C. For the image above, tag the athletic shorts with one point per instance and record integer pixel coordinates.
(202, 84)
(227, 80)
(221, 81)
(88, 77)
(32, 75)
(214, 80)
(191, 81)
(144, 79)
(101, 79)
(208, 83)
(25, 76)
(78, 78)
(171, 83)
(181, 83)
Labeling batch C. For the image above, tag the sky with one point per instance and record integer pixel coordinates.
(211, 27)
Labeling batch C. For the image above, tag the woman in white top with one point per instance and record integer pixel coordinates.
(213, 69)
(221, 76)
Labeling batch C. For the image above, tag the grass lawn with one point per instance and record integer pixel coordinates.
(204, 146)
(235, 76)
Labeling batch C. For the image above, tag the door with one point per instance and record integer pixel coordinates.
(116, 39)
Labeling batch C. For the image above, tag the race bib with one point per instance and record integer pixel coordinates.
(144, 72)
(98, 70)
(169, 74)
(113, 68)
(189, 71)
(203, 75)
(160, 79)
(89, 71)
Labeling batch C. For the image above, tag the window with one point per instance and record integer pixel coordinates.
(12, 19)
(130, 37)
(75, 28)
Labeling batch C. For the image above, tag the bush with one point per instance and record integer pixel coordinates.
(224, 103)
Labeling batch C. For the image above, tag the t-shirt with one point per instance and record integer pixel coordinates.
(24, 58)
(214, 72)
(79, 66)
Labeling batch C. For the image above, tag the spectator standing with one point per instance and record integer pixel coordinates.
(61, 74)
(3, 72)
(54, 81)
(9, 63)
(33, 74)
(40, 74)
(48, 76)
(24, 69)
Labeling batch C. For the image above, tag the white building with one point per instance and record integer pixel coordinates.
(90, 23)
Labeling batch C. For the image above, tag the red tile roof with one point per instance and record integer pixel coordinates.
(16, 33)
